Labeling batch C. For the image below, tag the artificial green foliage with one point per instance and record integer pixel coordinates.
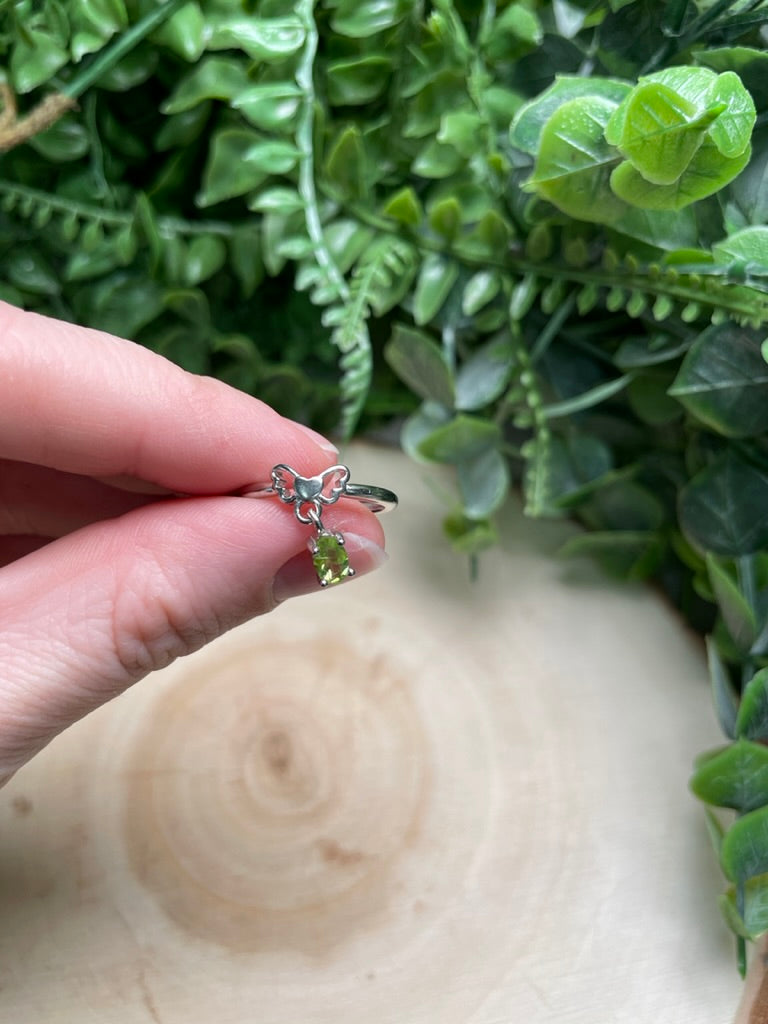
(531, 233)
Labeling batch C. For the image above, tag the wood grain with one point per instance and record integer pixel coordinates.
(411, 799)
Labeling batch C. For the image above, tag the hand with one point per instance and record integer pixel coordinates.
(119, 547)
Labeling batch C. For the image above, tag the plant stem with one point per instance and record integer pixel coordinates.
(753, 1008)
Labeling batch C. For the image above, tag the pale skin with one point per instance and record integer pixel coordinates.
(123, 544)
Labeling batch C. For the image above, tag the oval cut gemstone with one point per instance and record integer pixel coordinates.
(330, 559)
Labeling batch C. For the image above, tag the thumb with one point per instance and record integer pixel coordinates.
(89, 614)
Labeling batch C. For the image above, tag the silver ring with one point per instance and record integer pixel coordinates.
(309, 495)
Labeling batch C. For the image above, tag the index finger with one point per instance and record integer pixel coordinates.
(86, 402)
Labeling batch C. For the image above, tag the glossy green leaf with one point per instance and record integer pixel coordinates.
(445, 218)
(744, 853)
(481, 289)
(272, 156)
(362, 18)
(229, 172)
(28, 269)
(214, 78)
(752, 719)
(35, 60)
(722, 508)
(528, 124)
(749, 245)
(723, 381)
(185, 32)
(263, 39)
(420, 425)
(278, 199)
(734, 776)
(463, 130)
(461, 439)
(205, 255)
(92, 24)
(707, 172)
(358, 80)
(483, 483)
(272, 106)
(436, 160)
(482, 377)
(574, 162)
(405, 207)
(436, 279)
(660, 132)
(419, 362)
(732, 129)
(345, 167)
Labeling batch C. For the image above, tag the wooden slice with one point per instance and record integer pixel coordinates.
(410, 799)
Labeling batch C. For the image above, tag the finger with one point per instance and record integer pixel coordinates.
(127, 596)
(85, 402)
(50, 503)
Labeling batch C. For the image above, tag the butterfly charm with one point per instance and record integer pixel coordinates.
(300, 491)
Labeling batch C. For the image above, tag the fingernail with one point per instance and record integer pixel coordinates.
(298, 575)
(320, 441)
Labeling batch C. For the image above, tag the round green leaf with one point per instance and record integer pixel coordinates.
(744, 852)
(723, 381)
(574, 162)
(525, 131)
(419, 362)
(722, 509)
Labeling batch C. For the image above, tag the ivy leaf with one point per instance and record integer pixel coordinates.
(574, 162)
(723, 381)
(735, 776)
(722, 509)
(419, 362)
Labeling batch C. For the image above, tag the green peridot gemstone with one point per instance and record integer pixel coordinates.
(330, 560)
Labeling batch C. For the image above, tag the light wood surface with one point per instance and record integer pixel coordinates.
(410, 799)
